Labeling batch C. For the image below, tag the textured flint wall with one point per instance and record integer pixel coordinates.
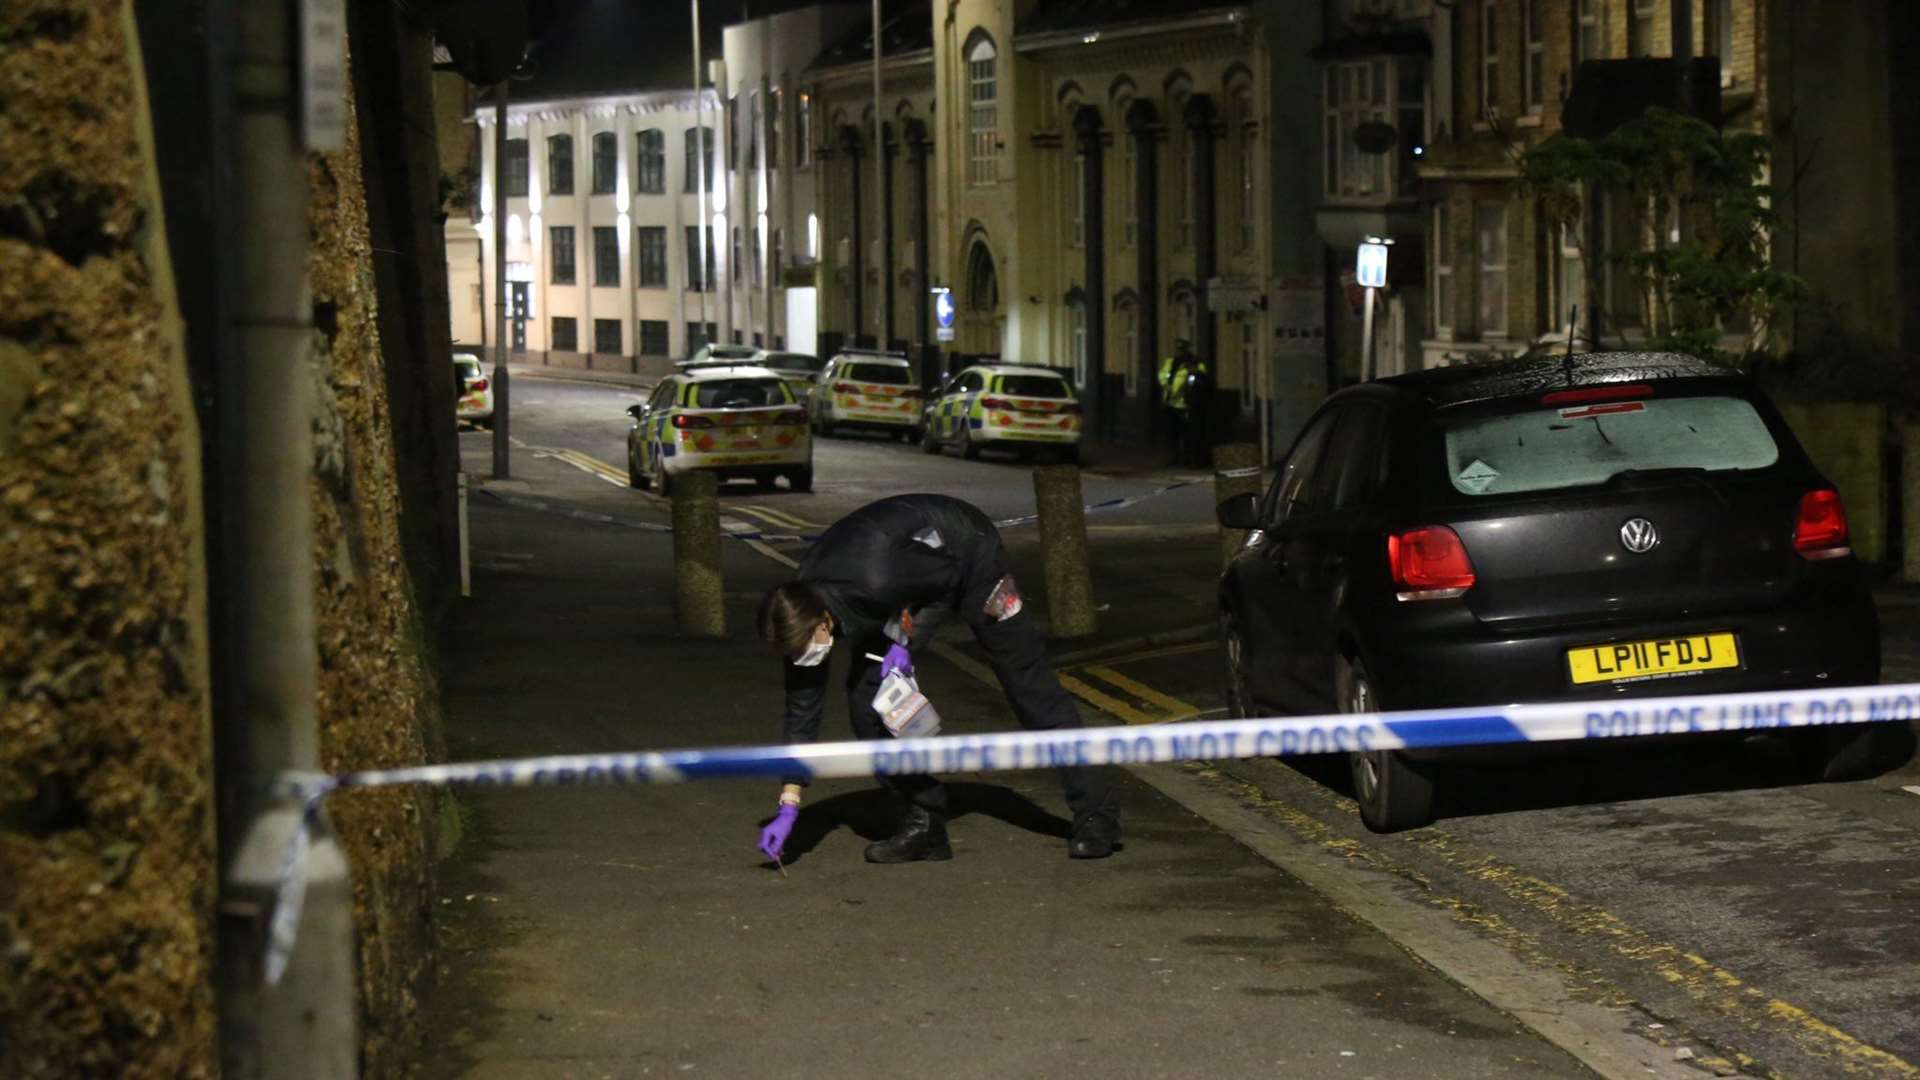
(106, 836)
(379, 700)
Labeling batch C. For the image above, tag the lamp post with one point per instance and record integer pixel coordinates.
(1371, 271)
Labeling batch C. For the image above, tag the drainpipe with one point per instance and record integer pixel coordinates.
(502, 467)
(1141, 121)
(305, 1023)
(1086, 127)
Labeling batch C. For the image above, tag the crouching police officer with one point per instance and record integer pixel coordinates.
(872, 581)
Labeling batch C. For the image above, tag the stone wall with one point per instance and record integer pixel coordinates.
(106, 824)
(107, 850)
(379, 699)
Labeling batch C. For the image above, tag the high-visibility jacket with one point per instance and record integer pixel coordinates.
(1173, 383)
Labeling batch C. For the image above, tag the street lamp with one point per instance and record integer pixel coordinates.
(1371, 271)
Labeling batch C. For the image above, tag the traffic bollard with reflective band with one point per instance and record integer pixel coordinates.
(699, 601)
(1063, 546)
(1236, 471)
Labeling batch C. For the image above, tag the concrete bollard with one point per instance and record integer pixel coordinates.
(1063, 546)
(1236, 471)
(699, 601)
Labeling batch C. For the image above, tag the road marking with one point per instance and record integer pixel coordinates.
(1912, 789)
(777, 517)
(1106, 702)
(1176, 709)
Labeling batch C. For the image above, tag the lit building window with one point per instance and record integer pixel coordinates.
(1536, 56)
(1442, 241)
(983, 115)
(1490, 234)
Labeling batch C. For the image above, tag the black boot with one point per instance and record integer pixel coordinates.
(1094, 837)
(922, 835)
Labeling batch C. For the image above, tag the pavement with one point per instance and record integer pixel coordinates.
(1653, 912)
(635, 931)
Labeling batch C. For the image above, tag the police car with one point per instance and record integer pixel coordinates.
(475, 403)
(872, 390)
(740, 421)
(1005, 407)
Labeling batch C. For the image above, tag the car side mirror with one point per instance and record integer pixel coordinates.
(1239, 512)
(636, 411)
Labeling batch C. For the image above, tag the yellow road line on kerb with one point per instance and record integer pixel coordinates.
(1174, 706)
(1106, 702)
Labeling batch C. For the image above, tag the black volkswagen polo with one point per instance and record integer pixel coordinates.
(1595, 526)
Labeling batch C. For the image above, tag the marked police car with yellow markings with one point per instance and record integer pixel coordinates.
(872, 390)
(742, 422)
(1004, 407)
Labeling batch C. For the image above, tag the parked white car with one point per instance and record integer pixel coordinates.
(475, 401)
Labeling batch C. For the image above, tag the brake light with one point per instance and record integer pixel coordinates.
(1597, 393)
(791, 416)
(993, 403)
(1429, 563)
(844, 388)
(684, 421)
(1820, 530)
(477, 385)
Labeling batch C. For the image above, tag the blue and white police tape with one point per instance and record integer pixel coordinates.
(1213, 740)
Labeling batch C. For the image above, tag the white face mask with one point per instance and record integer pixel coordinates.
(815, 653)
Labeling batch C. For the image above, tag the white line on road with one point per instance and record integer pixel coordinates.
(1912, 789)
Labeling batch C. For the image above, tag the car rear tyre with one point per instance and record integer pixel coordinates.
(1392, 794)
(765, 483)
(968, 448)
(635, 478)
(1233, 644)
(1853, 751)
(800, 479)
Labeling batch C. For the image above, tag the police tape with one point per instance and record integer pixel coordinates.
(1163, 744)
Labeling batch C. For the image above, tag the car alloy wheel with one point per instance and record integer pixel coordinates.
(1392, 794)
(1234, 646)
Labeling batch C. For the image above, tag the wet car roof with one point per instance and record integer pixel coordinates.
(1459, 385)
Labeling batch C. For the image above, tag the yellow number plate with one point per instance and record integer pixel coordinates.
(1658, 658)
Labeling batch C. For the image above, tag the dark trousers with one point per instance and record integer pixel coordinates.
(1177, 435)
(1019, 657)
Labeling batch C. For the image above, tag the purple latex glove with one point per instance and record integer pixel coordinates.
(896, 659)
(773, 838)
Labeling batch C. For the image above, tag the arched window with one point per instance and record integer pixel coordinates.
(983, 285)
(1183, 314)
(650, 162)
(559, 164)
(1180, 146)
(1126, 325)
(1123, 180)
(1244, 130)
(1077, 342)
(983, 112)
(606, 162)
(1073, 178)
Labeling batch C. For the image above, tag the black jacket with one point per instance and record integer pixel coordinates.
(908, 552)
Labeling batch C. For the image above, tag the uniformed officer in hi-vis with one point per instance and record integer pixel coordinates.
(873, 582)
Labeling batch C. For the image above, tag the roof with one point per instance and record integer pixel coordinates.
(1056, 16)
(872, 357)
(1016, 369)
(906, 26)
(1458, 385)
(714, 372)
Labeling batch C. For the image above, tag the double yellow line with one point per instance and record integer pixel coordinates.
(1168, 709)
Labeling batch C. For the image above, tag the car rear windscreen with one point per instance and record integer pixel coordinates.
(1046, 386)
(885, 374)
(1548, 448)
(739, 393)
